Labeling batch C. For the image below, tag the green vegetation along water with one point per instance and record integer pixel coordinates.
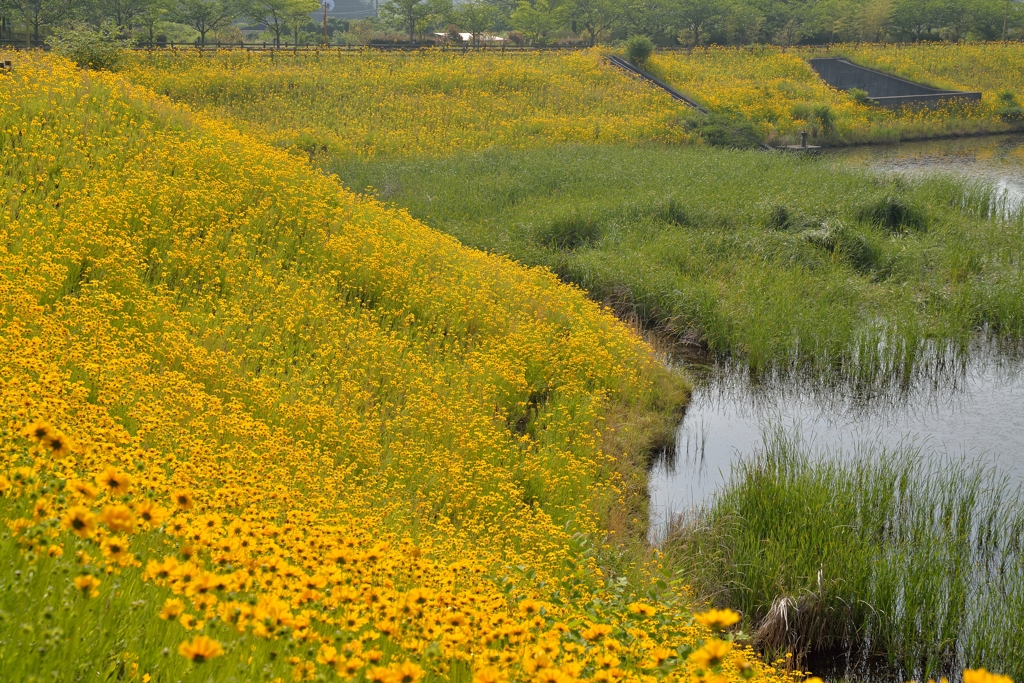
(876, 557)
(775, 259)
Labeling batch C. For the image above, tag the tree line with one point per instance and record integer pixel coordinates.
(666, 22)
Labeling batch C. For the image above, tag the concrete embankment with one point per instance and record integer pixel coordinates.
(883, 89)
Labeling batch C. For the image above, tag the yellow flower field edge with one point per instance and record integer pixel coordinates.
(777, 90)
(257, 428)
(430, 102)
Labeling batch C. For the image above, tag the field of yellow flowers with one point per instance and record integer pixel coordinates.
(256, 427)
(371, 104)
(779, 92)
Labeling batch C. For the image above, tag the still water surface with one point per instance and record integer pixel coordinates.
(974, 410)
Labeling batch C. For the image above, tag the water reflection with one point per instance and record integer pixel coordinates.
(995, 160)
(975, 407)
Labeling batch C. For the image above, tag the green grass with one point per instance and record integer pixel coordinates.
(776, 259)
(50, 631)
(878, 551)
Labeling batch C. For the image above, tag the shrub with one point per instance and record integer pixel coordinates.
(844, 243)
(88, 47)
(780, 217)
(638, 49)
(571, 231)
(892, 213)
(674, 212)
(720, 131)
(802, 111)
(859, 96)
(825, 119)
(1010, 111)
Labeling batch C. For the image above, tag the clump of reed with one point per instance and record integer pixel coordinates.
(880, 554)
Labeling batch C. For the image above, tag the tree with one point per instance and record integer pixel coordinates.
(476, 17)
(277, 14)
(645, 17)
(592, 16)
(698, 18)
(405, 13)
(297, 17)
(155, 12)
(536, 20)
(872, 20)
(205, 15)
(120, 12)
(40, 14)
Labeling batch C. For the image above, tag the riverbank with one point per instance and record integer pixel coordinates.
(894, 567)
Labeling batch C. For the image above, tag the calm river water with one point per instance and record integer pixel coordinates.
(975, 410)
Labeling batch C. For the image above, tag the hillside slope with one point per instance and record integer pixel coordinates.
(243, 404)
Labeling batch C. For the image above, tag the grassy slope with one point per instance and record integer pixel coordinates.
(386, 104)
(686, 238)
(349, 397)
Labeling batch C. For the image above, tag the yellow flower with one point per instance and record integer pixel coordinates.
(406, 672)
(200, 649)
(114, 481)
(83, 488)
(489, 674)
(59, 445)
(80, 521)
(151, 513)
(710, 654)
(717, 618)
(38, 430)
(984, 676)
(115, 548)
(88, 584)
(172, 609)
(118, 518)
(182, 500)
(642, 609)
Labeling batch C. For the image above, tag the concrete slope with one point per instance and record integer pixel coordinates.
(883, 89)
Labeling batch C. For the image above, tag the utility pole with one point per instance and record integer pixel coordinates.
(1006, 14)
(325, 23)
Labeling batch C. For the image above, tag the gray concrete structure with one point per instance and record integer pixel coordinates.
(883, 89)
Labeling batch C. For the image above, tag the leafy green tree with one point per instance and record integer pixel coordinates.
(406, 13)
(205, 15)
(645, 17)
(276, 14)
(41, 14)
(297, 17)
(698, 18)
(152, 16)
(440, 14)
(743, 24)
(122, 13)
(592, 16)
(916, 19)
(536, 20)
(476, 17)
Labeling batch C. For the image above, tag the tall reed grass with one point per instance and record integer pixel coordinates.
(882, 554)
(778, 261)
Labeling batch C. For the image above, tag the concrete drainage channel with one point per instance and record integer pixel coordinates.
(882, 89)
